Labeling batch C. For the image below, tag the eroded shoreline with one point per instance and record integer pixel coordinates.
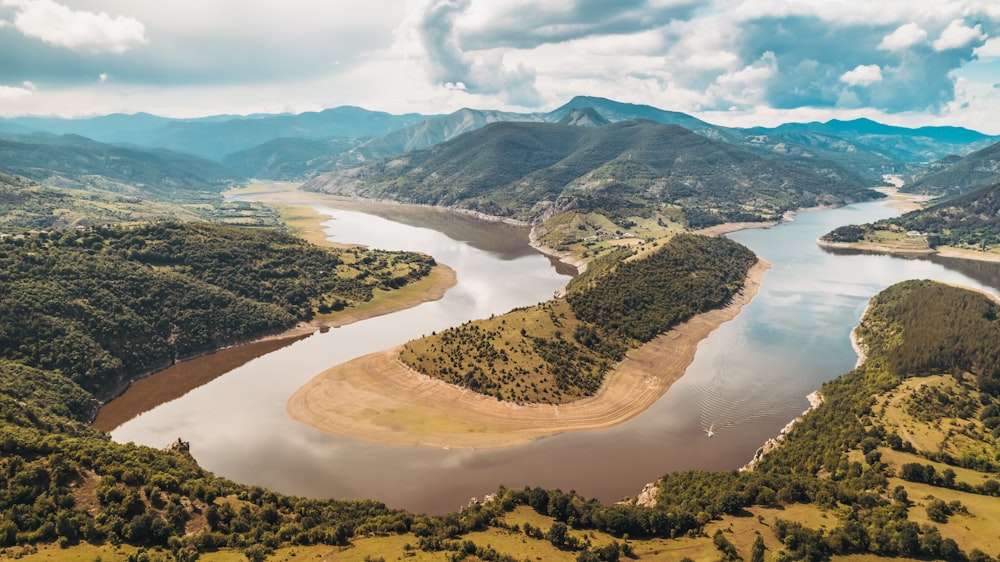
(376, 398)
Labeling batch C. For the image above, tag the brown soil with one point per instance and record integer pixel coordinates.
(377, 398)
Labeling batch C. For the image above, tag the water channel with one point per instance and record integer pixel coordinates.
(748, 379)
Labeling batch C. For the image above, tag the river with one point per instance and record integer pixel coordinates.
(748, 379)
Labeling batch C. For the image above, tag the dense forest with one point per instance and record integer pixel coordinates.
(104, 305)
(560, 350)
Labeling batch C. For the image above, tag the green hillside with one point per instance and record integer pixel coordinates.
(105, 305)
(529, 170)
(979, 169)
(898, 460)
(74, 161)
(970, 221)
(560, 350)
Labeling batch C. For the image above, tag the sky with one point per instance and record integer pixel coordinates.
(729, 62)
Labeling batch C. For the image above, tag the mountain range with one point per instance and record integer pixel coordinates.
(864, 147)
(530, 171)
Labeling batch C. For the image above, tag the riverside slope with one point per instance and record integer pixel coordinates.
(376, 398)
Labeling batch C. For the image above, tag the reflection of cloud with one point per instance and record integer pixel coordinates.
(58, 25)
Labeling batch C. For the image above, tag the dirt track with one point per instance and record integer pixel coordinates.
(377, 398)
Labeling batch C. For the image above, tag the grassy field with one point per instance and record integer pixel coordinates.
(922, 410)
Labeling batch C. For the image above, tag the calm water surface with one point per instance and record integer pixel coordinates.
(748, 379)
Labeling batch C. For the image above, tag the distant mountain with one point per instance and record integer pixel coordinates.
(528, 170)
(292, 159)
(902, 145)
(117, 127)
(584, 117)
(75, 161)
(956, 176)
(614, 111)
(214, 137)
(435, 130)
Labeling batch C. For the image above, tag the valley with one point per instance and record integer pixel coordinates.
(466, 360)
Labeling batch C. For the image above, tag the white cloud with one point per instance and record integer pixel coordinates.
(904, 36)
(748, 85)
(988, 50)
(61, 26)
(102, 77)
(957, 35)
(16, 93)
(862, 75)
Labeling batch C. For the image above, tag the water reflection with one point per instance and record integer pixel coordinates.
(748, 379)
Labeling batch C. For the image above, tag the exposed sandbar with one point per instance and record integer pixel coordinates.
(377, 398)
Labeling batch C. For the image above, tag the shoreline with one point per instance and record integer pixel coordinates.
(376, 398)
(815, 399)
(942, 251)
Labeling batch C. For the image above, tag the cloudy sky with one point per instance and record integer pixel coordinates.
(732, 62)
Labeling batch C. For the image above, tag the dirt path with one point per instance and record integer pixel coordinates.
(377, 398)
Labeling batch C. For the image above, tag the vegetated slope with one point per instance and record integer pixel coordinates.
(559, 351)
(291, 158)
(103, 306)
(967, 221)
(78, 162)
(26, 205)
(973, 171)
(971, 220)
(525, 170)
(901, 144)
(846, 479)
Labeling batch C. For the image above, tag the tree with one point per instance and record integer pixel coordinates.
(558, 534)
(757, 551)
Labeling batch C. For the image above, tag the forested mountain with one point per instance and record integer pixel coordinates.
(105, 305)
(864, 148)
(900, 144)
(524, 170)
(292, 158)
(954, 177)
(79, 162)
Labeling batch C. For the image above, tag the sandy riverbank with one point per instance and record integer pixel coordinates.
(377, 398)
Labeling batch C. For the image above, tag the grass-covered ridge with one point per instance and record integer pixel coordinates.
(560, 350)
(104, 305)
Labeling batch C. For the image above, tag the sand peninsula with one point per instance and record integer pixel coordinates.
(377, 398)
